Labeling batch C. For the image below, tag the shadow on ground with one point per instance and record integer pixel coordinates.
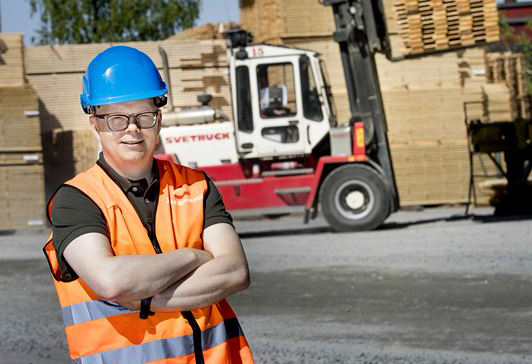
(484, 219)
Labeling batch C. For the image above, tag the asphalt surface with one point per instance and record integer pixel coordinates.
(430, 286)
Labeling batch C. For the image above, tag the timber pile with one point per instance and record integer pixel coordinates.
(413, 26)
(420, 26)
(67, 153)
(21, 159)
(508, 69)
(21, 196)
(274, 20)
(429, 144)
(205, 32)
(11, 60)
(425, 99)
(19, 120)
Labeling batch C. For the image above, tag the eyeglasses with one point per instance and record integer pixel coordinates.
(120, 122)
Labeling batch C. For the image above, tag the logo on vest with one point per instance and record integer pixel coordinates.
(185, 200)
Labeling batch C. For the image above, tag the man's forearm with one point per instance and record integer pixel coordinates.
(208, 284)
(133, 277)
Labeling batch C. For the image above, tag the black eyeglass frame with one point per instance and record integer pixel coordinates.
(129, 116)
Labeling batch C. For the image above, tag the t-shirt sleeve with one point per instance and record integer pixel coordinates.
(73, 214)
(214, 208)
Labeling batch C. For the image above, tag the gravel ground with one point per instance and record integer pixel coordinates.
(430, 286)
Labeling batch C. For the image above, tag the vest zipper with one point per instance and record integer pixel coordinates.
(196, 331)
(153, 236)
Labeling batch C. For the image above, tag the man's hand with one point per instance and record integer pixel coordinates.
(213, 281)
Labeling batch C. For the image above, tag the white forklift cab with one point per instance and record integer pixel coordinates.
(279, 105)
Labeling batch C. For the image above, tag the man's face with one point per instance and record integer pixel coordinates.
(129, 146)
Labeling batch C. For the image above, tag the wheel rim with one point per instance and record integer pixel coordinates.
(354, 199)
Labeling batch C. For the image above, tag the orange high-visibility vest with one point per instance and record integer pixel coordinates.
(99, 331)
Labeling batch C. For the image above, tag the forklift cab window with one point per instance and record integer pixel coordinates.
(309, 91)
(277, 96)
(243, 94)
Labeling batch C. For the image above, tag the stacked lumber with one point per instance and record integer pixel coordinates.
(420, 26)
(413, 26)
(21, 196)
(19, 120)
(67, 153)
(427, 100)
(429, 145)
(11, 60)
(274, 20)
(500, 105)
(21, 159)
(509, 69)
(205, 32)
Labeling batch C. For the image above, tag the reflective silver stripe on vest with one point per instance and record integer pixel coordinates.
(92, 310)
(166, 348)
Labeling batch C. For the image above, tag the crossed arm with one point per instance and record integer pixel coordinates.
(180, 280)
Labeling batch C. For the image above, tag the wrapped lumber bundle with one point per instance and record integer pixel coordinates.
(420, 26)
(426, 102)
(21, 196)
(21, 159)
(19, 120)
(11, 60)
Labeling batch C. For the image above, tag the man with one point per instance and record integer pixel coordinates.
(272, 98)
(142, 250)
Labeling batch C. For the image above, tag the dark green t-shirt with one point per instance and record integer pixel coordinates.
(75, 214)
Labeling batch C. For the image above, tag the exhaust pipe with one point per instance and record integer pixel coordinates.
(166, 73)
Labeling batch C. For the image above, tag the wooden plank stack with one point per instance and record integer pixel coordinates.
(21, 159)
(273, 21)
(429, 144)
(414, 26)
(22, 196)
(11, 60)
(509, 69)
(426, 99)
(420, 26)
(66, 153)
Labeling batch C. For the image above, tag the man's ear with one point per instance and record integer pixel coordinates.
(95, 128)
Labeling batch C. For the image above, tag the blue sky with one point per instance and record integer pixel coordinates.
(15, 15)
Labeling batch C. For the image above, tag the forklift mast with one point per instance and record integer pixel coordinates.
(360, 32)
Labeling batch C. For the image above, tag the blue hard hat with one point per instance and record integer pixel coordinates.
(121, 74)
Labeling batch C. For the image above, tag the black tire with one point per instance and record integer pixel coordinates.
(354, 198)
